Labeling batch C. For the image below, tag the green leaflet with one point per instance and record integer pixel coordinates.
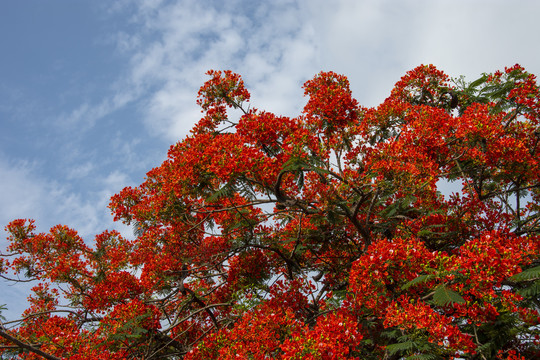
(530, 291)
(418, 280)
(294, 164)
(532, 276)
(444, 296)
(400, 206)
(529, 274)
(422, 357)
(485, 348)
(477, 82)
(226, 190)
(394, 348)
(300, 164)
(2, 308)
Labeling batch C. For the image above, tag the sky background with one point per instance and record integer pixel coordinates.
(93, 92)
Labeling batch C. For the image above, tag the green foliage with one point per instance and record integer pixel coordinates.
(527, 275)
(531, 291)
(531, 279)
(443, 296)
(2, 308)
(399, 347)
(412, 347)
(420, 279)
(225, 191)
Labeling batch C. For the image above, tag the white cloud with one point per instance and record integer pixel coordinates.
(278, 45)
(125, 42)
(375, 42)
(472, 37)
(80, 171)
(86, 115)
(18, 193)
(26, 195)
(269, 45)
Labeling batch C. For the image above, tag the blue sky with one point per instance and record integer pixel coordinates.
(92, 93)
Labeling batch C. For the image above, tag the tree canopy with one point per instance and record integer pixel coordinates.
(321, 236)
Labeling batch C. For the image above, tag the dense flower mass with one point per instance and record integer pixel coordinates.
(323, 236)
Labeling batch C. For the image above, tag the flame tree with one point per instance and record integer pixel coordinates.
(322, 236)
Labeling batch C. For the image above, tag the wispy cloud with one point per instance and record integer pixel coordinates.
(271, 44)
(375, 42)
(85, 116)
(26, 194)
(278, 45)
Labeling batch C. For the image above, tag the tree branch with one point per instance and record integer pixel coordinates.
(25, 346)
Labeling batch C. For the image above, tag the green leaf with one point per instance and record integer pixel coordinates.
(531, 291)
(426, 233)
(529, 274)
(294, 164)
(332, 216)
(392, 210)
(418, 280)
(394, 348)
(2, 308)
(300, 180)
(421, 357)
(391, 334)
(444, 296)
(477, 82)
(485, 348)
(226, 191)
